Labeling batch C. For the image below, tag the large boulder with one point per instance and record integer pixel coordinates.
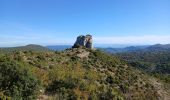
(84, 41)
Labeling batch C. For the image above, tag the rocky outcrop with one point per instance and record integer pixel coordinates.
(84, 41)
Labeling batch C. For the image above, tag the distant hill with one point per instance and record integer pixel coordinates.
(165, 46)
(146, 48)
(58, 47)
(29, 47)
(159, 47)
(126, 49)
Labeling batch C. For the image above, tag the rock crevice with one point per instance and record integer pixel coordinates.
(84, 41)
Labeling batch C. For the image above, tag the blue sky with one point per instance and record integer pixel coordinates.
(52, 22)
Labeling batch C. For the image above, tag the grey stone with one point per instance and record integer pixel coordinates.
(84, 41)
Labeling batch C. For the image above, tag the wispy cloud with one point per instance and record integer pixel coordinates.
(14, 34)
(145, 39)
(9, 40)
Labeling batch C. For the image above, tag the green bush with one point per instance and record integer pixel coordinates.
(16, 81)
(4, 97)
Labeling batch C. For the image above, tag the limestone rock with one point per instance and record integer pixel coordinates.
(84, 41)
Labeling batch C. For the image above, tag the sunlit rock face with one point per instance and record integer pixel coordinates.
(84, 41)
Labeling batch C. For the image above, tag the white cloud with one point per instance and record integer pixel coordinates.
(41, 39)
(51, 39)
(146, 39)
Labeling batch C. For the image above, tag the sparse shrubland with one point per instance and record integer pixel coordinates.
(156, 63)
(66, 75)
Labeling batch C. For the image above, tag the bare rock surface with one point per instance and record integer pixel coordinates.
(84, 41)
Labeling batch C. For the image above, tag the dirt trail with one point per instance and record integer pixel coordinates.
(164, 93)
(43, 97)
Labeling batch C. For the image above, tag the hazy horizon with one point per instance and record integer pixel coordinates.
(95, 45)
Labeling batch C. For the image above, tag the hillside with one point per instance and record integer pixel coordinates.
(156, 63)
(77, 73)
(146, 48)
(31, 47)
(159, 47)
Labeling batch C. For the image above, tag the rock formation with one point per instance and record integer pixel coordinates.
(84, 41)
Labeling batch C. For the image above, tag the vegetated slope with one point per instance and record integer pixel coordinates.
(154, 59)
(150, 61)
(31, 47)
(77, 73)
(155, 62)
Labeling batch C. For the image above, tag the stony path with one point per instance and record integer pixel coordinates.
(43, 97)
(164, 94)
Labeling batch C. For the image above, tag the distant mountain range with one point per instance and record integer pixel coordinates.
(34, 47)
(156, 47)
(58, 47)
(31, 47)
(101, 47)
